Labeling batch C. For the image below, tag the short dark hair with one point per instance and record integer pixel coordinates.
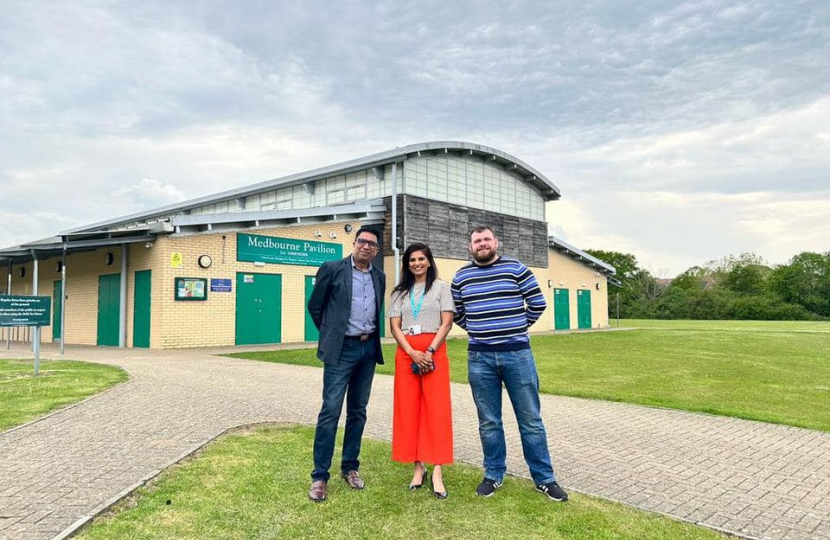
(480, 229)
(370, 230)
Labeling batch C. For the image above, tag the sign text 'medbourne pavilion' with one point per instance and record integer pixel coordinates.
(274, 250)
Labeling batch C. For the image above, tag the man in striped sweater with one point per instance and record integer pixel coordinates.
(496, 301)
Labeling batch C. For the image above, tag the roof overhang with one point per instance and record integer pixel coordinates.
(76, 242)
(578, 255)
(368, 212)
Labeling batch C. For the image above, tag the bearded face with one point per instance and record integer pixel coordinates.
(484, 247)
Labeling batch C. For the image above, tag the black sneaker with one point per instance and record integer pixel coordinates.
(554, 491)
(487, 487)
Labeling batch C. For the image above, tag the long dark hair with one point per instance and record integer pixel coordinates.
(407, 277)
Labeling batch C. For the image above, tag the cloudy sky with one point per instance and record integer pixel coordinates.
(680, 131)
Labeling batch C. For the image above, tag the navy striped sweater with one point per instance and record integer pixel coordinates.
(496, 304)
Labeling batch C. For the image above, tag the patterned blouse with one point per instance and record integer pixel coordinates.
(436, 301)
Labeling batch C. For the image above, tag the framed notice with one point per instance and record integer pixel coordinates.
(25, 310)
(191, 288)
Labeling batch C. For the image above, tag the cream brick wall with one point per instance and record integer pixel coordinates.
(567, 273)
(82, 291)
(213, 322)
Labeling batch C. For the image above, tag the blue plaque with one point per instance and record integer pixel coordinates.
(220, 285)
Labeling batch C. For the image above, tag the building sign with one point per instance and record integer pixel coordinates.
(220, 285)
(175, 260)
(189, 288)
(25, 310)
(270, 249)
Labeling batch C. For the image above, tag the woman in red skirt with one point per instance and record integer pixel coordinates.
(420, 315)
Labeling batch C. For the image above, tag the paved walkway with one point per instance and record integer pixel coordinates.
(750, 478)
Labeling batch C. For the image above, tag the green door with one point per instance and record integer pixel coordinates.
(311, 332)
(109, 305)
(258, 308)
(583, 303)
(141, 312)
(56, 315)
(561, 309)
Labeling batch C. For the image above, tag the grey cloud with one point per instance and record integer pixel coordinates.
(603, 96)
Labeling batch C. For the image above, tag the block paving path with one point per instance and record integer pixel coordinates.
(752, 479)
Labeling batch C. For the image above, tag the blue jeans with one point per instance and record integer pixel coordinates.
(353, 373)
(517, 370)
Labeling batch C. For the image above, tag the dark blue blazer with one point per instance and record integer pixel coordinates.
(330, 304)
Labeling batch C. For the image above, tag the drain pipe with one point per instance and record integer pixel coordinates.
(395, 248)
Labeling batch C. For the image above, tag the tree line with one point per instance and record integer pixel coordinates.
(733, 287)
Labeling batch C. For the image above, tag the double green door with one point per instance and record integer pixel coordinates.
(561, 309)
(109, 309)
(583, 304)
(258, 308)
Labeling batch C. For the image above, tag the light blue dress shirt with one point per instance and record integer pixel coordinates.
(363, 315)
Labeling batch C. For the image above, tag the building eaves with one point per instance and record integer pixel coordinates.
(579, 255)
(371, 211)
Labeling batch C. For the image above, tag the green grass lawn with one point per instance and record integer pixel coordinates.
(767, 371)
(24, 397)
(254, 486)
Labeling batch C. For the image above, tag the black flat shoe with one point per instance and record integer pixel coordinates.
(413, 487)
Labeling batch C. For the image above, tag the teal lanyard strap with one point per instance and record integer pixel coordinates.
(416, 310)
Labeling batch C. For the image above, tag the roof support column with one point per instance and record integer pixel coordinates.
(36, 336)
(9, 291)
(122, 316)
(63, 298)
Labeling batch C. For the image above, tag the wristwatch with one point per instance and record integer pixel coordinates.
(431, 349)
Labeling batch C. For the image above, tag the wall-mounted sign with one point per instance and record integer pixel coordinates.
(189, 288)
(270, 249)
(25, 310)
(220, 285)
(175, 260)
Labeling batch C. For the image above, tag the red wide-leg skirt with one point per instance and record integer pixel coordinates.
(422, 419)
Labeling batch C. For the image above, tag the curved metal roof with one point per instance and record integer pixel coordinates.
(547, 188)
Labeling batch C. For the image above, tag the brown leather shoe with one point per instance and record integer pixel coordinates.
(353, 479)
(318, 491)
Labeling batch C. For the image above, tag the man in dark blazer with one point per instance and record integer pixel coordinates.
(345, 307)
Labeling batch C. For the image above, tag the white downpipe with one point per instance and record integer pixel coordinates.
(395, 249)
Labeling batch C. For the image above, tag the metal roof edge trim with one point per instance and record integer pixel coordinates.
(554, 242)
(389, 156)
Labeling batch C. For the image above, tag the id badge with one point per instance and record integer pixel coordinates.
(415, 329)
